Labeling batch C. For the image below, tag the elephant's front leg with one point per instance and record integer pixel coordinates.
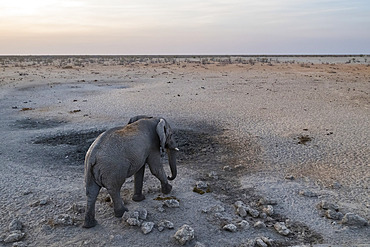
(156, 168)
(138, 189)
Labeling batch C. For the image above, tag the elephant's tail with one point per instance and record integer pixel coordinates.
(90, 161)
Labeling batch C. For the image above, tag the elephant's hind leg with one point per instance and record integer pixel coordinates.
(92, 191)
(139, 177)
(119, 207)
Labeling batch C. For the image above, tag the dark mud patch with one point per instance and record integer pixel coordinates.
(32, 123)
(78, 142)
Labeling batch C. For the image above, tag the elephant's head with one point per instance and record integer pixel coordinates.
(168, 143)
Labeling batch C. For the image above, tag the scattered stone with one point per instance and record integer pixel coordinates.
(63, 220)
(239, 204)
(267, 241)
(224, 218)
(266, 201)
(244, 224)
(199, 244)
(230, 227)
(163, 224)
(19, 244)
(241, 211)
(214, 209)
(213, 175)
(130, 214)
(143, 213)
(133, 222)
(263, 215)
(43, 201)
(327, 205)
(269, 210)
(201, 185)
(352, 219)
(78, 208)
(331, 214)
(14, 236)
(260, 243)
(308, 193)
(259, 224)
(147, 227)
(227, 168)
(253, 212)
(184, 234)
(281, 228)
(289, 177)
(15, 225)
(171, 203)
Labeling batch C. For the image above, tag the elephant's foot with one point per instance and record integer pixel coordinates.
(119, 212)
(138, 197)
(166, 188)
(88, 223)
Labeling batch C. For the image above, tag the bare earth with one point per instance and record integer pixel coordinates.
(287, 132)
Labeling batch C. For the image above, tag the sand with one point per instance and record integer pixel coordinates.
(292, 130)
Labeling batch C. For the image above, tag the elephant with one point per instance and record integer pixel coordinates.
(121, 152)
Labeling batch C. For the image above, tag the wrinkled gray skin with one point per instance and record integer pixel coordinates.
(121, 152)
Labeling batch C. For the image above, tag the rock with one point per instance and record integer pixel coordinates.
(331, 214)
(253, 212)
(227, 168)
(223, 218)
(147, 227)
(260, 243)
(163, 224)
(199, 244)
(14, 236)
(44, 201)
(259, 224)
(239, 204)
(201, 185)
(352, 219)
(171, 203)
(327, 205)
(213, 175)
(266, 201)
(308, 193)
(63, 220)
(143, 213)
(78, 208)
(15, 225)
(184, 234)
(267, 241)
(263, 215)
(269, 210)
(130, 214)
(133, 222)
(244, 224)
(230, 227)
(289, 177)
(214, 209)
(281, 228)
(241, 211)
(19, 244)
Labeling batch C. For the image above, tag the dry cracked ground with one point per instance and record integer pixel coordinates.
(273, 151)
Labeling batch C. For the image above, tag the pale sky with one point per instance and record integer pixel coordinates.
(141, 27)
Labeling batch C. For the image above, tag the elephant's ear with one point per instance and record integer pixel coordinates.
(161, 131)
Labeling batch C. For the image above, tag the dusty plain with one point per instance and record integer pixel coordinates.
(289, 132)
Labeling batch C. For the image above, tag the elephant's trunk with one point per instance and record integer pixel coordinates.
(172, 161)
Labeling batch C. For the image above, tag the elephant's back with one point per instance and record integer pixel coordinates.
(100, 143)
